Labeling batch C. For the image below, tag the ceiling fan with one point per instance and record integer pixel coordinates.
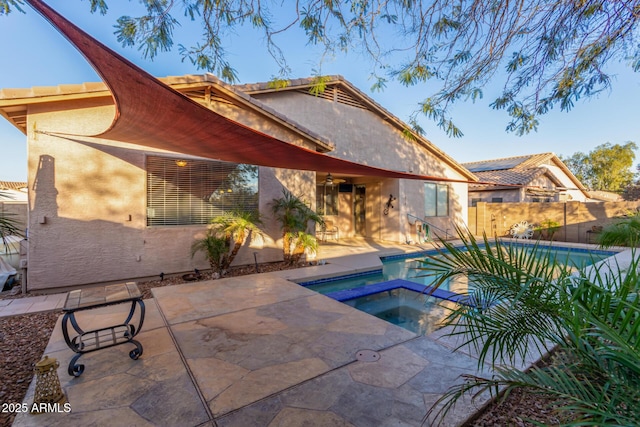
(330, 180)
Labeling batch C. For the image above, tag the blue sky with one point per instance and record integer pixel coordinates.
(34, 54)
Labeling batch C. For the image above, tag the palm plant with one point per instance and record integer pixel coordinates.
(215, 248)
(530, 299)
(235, 227)
(225, 236)
(624, 232)
(302, 243)
(294, 216)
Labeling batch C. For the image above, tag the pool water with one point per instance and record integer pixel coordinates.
(415, 311)
(407, 267)
(394, 293)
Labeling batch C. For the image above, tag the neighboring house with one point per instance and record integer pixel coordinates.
(13, 205)
(13, 200)
(103, 211)
(531, 178)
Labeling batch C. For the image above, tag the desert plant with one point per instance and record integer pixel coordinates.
(235, 227)
(215, 248)
(225, 236)
(548, 228)
(302, 243)
(623, 232)
(8, 225)
(528, 301)
(294, 216)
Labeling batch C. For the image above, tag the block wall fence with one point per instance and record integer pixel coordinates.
(576, 219)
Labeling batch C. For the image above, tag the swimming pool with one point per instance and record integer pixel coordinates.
(406, 267)
(400, 293)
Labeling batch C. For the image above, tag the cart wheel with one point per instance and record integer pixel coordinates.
(135, 353)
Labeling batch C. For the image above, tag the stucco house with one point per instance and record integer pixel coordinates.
(531, 178)
(102, 210)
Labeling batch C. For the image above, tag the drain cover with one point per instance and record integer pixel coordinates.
(367, 356)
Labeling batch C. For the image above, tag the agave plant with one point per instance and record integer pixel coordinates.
(531, 299)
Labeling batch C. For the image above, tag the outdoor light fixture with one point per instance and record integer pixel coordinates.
(181, 163)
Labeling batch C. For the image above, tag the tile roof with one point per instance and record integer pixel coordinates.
(12, 185)
(517, 170)
(510, 177)
(506, 163)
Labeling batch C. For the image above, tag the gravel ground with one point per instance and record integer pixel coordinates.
(22, 343)
(24, 338)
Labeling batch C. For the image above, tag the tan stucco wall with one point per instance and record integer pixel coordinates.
(87, 205)
(363, 136)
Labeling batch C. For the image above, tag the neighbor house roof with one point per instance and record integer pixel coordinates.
(519, 171)
(12, 185)
(184, 125)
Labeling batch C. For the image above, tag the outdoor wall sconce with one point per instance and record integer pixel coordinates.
(389, 204)
(181, 163)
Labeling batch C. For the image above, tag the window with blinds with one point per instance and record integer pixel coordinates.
(186, 192)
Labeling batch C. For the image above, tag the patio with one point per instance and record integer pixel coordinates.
(260, 350)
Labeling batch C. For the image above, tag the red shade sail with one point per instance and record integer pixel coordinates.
(152, 114)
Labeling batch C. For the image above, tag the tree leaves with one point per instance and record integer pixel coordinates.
(607, 167)
(548, 53)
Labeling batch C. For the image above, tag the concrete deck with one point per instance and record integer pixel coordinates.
(259, 350)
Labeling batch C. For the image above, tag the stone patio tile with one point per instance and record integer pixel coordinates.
(454, 342)
(118, 417)
(261, 383)
(42, 306)
(214, 376)
(172, 403)
(193, 301)
(395, 367)
(335, 396)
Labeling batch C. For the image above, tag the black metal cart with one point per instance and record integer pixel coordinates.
(109, 336)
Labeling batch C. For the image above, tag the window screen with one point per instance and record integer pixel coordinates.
(185, 192)
(436, 199)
